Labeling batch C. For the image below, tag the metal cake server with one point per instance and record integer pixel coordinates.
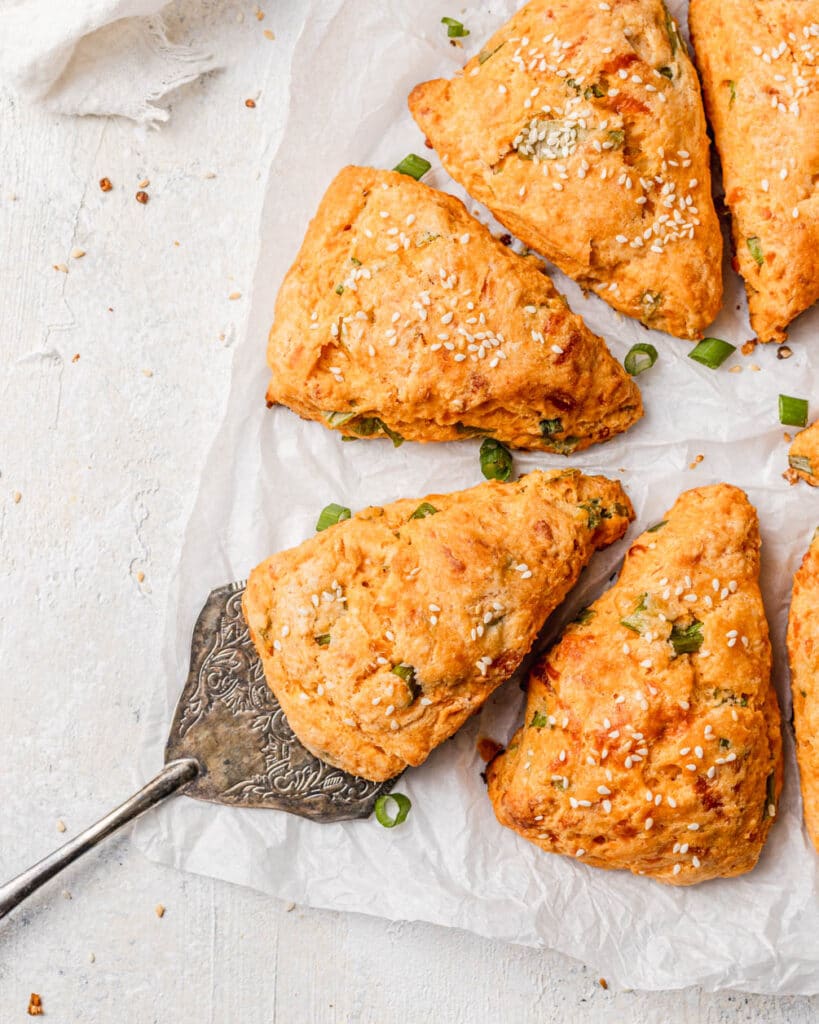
(229, 743)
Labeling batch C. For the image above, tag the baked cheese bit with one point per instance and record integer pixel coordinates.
(803, 652)
(383, 633)
(759, 71)
(652, 733)
(580, 125)
(404, 317)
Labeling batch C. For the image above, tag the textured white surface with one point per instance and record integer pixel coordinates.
(105, 459)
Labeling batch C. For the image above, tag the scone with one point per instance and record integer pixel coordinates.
(759, 60)
(580, 125)
(652, 733)
(381, 635)
(803, 457)
(803, 652)
(403, 316)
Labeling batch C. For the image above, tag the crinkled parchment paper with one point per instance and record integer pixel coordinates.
(269, 474)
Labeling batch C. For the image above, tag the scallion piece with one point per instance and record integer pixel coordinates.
(539, 720)
(454, 28)
(793, 412)
(384, 813)
(550, 427)
(496, 460)
(424, 510)
(413, 165)
(635, 622)
(801, 463)
(406, 672)
(755, 250)
(330, 515)
(639, 358)
(686, 639)
(712, 352)
(323, 640)
(657, 526)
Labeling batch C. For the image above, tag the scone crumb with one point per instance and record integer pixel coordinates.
(604, 983)
(17, 497)
(159, 910)
(35, 1005)
(60, 825)
(142, 197)
(269, 34)
(749, 346)
(92, 958)
(736, 369)
(250, 103)
(755, 367)
(77, 254)
(791, 476)
(784, 352)
(698, 459)
(63, 269)
(75, 358)
(787, 437)
(487, 748)
(234, 295)
(105, 184)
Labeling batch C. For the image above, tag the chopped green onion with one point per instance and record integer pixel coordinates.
(366, 426)
(652, 302)
(801, 463)
(755, 249)
(666, 72)
(496, 460)
(484, 55)
(712, 352)
(635, 621)
(339, 289)
(639, 358)
(424, 510)
(413, 165)
(686, 639)
(406, 672)
(323, 640)
(454, 28)
(330, 515)
(338, 419)
(732, 86)
(550, 427)
(617, 137)
(657, 526)
(593, 90)
(793, 412)
(585, 615)
(355, 262)
(539, 720)
(383, 809)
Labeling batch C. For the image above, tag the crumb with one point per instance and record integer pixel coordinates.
(75, 358)
(67, 895)
(791, 476)
(259, 13)
(235, 295)
(784, 352)
(696, 462)
(77, 254)
(755, 367)
(603, 983)
(105, 184)
(209, 174)
(487, 748)
(61, 267)
(147, 373)
(250, 103)
(749, 346)
(35, 1005)
(140, 577)
(735, 369)
(159, 910)
(17, 497)
(787, 437)
(144, 183)
(269, 34)
(176, 244)
(142, 197)
(289, 908)
(60, 825)
(221, 336)
(92, 959)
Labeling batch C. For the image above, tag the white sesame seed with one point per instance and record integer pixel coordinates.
(648, 823)
(604, 791)
(676, 869)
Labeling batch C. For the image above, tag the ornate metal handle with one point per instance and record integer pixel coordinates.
(173, 776)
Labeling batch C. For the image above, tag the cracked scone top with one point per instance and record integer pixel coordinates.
(381, 635)
(759, 61)
(652, 733)
(803, 652)
(404, 316)
(580, 125)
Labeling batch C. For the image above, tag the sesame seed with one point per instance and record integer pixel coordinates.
(648, 823)
(604, 791)
(676, 869)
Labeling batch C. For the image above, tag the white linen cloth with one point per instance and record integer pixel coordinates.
(95, 56)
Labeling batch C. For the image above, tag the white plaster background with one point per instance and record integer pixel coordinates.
(105, 458)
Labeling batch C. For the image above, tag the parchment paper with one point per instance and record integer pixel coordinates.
(269, 474)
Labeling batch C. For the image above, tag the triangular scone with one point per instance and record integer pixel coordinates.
(803, 457)
(652, 732)
(404, 316)
(803, 653)
(759, 61)
(580, 126)
(383, 634)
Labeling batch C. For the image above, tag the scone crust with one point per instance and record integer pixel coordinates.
(621, 200)
(671, 760)
(402, 310)
(803, 652)
(803, 456)
(758, 60)
(458, 596)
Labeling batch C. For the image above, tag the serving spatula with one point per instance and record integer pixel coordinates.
(229, 744)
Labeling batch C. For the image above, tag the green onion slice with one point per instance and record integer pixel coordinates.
(454, 28)
(801, 463)
(539, 720)
(323, 640)
(793, 412)
(712, 352)
(657, 526)
(639, 358)
(383, 809)
(424, 510)
(413, 165)
(755, 250)
(548, 428)
(406, 672)
(686, 639)
(330, 515)
(338, 419)
(496, 460)
(635, 622)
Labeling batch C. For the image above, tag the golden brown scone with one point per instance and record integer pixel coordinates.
(803, 457)
(803, 653)
(652, 731)
(580, 125)
(759, 64)
(383, 634)
(403, 315)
